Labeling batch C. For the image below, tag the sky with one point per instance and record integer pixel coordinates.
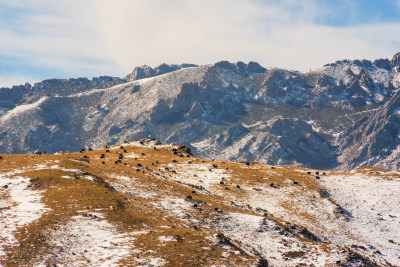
(43, 39)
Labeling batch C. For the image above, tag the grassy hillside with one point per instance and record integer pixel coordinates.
(143, 203)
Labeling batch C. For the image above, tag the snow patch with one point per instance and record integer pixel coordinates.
(179, 207)
(166, 238)
(258, 234)
(88, 241)
(132, 156)
(199, 174)
(374, 205)
(151, 261)
(121, 177)
(19, 206)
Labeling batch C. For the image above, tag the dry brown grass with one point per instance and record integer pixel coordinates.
(68, 197)
(70, 193)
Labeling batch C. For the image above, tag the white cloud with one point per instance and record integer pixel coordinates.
(95, 37)
(60, 35)
(311, 46)
(279, 34)
(11, 80)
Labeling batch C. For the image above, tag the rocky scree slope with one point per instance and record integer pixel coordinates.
(229, 111)
(145, 203)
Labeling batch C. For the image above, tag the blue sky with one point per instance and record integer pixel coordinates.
(356, 12)
(41, 39)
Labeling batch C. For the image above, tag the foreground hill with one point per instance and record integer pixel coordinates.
(231, 111)
(144, 203)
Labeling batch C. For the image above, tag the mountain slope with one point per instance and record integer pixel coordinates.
(375, 139)
(146, 203)
(224, 111)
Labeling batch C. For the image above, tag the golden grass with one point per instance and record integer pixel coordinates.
(70, 193)
(68, 197)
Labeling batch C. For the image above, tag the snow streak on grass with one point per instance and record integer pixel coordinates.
(89, 241)
(19, 206)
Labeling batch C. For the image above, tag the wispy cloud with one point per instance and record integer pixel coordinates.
(58, 37)
(95, 37)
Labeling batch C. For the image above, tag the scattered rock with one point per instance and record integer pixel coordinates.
(178, 238)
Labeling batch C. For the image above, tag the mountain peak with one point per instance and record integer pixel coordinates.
(146, 71)
(396, 60)
(241, 67)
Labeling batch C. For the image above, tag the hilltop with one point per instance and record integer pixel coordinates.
(145, 203)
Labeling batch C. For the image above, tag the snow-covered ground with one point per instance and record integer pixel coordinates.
(371, 207)
(19, 206)
(89, 241)
(374, 205)
(256, 233)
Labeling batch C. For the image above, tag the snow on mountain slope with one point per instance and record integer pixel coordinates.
(233, 111)
(375, 139)
(166, 207)
(17, 111)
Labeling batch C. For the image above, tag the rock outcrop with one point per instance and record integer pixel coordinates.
(148, 72)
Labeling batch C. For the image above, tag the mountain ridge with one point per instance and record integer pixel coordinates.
(230, 111)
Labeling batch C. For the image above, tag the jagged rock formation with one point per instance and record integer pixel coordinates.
(230, 111)
(395, 62)
(148, 72)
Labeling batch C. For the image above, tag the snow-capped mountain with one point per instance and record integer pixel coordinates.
(339, 116)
